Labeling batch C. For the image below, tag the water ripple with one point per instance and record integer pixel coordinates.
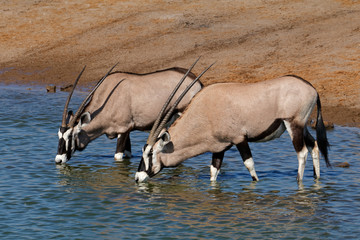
(94, 197)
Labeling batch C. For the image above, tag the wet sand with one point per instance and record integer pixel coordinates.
(49, 42)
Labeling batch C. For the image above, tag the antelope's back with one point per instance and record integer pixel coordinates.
(228, 110)
(140, 97)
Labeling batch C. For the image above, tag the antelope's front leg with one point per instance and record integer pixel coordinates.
(246, 155)
(123, 147)
(217, 159)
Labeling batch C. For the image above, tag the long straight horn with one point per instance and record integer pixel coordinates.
(171, 110)
(63, 122)
(157, 121)
(83, 104)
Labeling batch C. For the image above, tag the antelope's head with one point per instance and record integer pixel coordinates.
(72, 124)
(159, 139)
(150, 163)
(68, 134)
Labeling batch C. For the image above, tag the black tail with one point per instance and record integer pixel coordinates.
(321, 134)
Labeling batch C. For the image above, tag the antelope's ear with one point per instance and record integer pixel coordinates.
(165, 142)
(164, 137)
(84, 119)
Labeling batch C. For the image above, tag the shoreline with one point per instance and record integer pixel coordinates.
(342, 116)
(49, 43)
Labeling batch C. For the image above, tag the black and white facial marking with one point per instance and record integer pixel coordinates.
(144, 171)
(150, 164)
(66, 145)
(69, 139)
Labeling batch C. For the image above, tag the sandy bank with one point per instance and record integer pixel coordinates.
(49, 42)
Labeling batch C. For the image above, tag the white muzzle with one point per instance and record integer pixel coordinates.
(61, 158)
(141, 177)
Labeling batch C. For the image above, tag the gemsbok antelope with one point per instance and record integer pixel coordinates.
(119, 103)
(226, 114)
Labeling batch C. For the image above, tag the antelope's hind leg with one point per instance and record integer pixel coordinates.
(296, 133)
(123, 147)
(312, 146)
(216, 162)
(246, 155)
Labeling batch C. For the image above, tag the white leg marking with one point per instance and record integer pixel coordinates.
(316, 160)
(119, 156)
(302, 155)
(249, 164)
(213, 173)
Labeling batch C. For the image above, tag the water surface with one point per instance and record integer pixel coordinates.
(93, 197)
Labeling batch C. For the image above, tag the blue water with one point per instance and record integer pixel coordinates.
(93, 197)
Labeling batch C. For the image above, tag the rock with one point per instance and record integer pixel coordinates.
(343, 165)
(51, 89)
(66, 88)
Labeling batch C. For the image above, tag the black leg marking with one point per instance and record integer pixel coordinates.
(217, 159)
(297, 133)
(123, 142)
(244, 150)
(128, 143)
(123, 147)
(246, 155)
(297, 137)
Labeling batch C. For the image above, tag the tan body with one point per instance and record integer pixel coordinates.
(125, 102)
(134, 103)
(227, 114)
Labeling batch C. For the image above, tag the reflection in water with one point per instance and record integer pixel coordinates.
(93, 197)
(218, 211)
(97, 177)
(210, 206)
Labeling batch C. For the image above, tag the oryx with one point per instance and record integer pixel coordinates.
(119, 103)
(226, 114)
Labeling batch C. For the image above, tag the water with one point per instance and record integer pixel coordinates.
(94, 197)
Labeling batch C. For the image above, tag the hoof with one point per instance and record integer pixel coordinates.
(121, 156)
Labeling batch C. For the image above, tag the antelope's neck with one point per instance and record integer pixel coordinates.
(93, 131)
(183, 148)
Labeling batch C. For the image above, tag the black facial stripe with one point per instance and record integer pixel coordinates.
(62, 143)
(142, 167)
(149, 171)
(61, 146)
(68, 153)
